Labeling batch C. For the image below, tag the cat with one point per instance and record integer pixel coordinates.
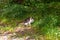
(28, 21)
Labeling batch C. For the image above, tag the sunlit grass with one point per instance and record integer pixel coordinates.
(7, 29)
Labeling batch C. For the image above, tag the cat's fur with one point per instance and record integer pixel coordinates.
(28, 21)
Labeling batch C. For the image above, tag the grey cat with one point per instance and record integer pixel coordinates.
(27, 22)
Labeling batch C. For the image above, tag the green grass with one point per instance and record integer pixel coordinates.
(46, 15)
